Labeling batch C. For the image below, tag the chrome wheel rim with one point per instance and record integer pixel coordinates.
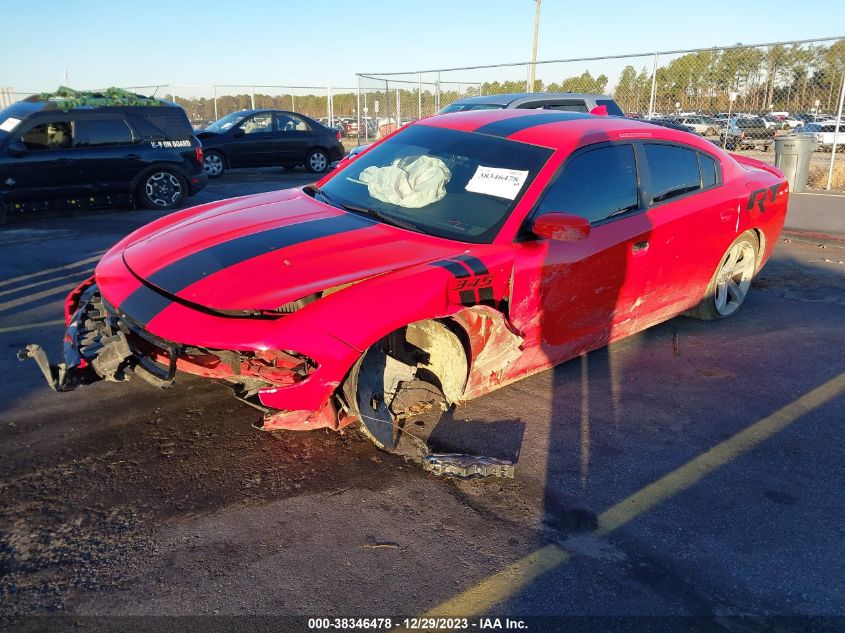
(734, 278)
(212, 164)
(318, 161)
(163, 189)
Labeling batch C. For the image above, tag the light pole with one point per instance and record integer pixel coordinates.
(532, 73)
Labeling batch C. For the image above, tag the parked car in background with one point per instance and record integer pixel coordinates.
(747, 133)
(55, 153)
(824, 134)
(775, 122)
(261, 138)
(701, 124)
(562, 101)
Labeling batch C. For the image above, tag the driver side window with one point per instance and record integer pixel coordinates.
(596, 184)
(50, 135)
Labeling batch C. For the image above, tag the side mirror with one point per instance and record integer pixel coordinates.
(239, 132)
(17, 148)
(562, 227)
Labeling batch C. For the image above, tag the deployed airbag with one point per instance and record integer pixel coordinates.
(410, 183)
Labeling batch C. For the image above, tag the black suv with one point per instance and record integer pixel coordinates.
(59, 153)
(265, 138)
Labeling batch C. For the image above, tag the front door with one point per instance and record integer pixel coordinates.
(46, 173)
(571, 297)
(253, 142)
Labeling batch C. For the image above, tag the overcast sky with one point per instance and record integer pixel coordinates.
(281, 42)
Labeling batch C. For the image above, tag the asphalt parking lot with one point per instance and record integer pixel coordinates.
(691, 475)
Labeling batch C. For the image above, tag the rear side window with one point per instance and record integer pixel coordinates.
(596, 185)
(171, 123)
(674, 171)
(562, 106)
(708, 171)
(102, 132)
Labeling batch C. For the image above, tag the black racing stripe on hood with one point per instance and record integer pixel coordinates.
(143, 304)
(180, 274)
(508, 127)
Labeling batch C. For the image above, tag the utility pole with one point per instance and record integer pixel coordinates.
(532, 73)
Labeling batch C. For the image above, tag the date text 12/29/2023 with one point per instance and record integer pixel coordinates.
(417, 624)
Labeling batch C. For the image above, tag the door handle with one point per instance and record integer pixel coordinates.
(640, 247)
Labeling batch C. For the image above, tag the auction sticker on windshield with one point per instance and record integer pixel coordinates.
(495, 181)
(9, 124)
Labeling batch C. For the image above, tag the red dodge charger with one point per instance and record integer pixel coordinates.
(459, 254)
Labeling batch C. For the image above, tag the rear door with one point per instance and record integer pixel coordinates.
(296, 137)
(692, 223)
(107, 152)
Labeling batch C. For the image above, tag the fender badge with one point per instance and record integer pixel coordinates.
(10, 182)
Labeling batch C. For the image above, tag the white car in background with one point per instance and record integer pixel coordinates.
(824, 133)
(703, 125)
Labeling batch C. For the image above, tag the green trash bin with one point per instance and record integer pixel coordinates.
(792, 157)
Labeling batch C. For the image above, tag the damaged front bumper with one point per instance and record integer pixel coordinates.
(99, 345)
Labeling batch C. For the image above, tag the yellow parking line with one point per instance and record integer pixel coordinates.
(14, 303)
(503, 584)
(30, 326)
(82, 262)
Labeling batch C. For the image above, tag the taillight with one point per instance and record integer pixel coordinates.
(198, 151)
(338, 135)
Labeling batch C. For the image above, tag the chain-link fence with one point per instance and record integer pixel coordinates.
(741, 97)
(207, 103)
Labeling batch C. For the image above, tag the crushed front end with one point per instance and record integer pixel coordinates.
(103, 343)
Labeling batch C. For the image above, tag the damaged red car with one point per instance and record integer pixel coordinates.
(462, 253)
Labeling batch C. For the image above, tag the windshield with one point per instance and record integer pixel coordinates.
(463, 107)
(226, 123)
(457, 185)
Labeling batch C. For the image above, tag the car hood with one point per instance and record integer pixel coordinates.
(245, 257)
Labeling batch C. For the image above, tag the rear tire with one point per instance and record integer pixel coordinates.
(731, 282)
(317, 161)
(162, 189)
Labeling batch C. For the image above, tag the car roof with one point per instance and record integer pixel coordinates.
(561, 130)
(511, 97)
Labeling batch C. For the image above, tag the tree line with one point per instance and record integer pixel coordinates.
(790, 78)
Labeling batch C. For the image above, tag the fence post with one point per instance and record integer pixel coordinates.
(437, 94)
(653, 87)
(358, 110)
(836, 132)
(292, 103)
(252, 99)
(419, 95)
(398, 110)
(215, 103)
